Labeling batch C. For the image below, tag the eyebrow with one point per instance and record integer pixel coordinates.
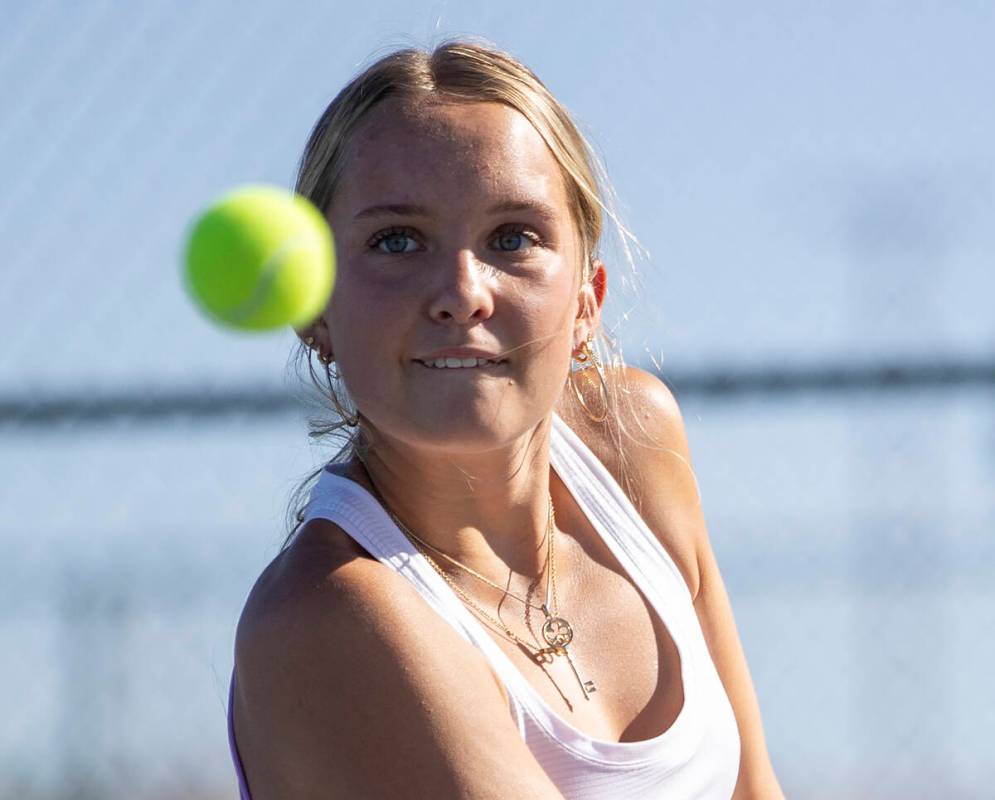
(392, 210)
(538, 207)
(544, 210)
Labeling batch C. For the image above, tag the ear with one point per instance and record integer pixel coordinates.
(592, 298)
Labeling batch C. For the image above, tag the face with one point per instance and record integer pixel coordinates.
(453, 230)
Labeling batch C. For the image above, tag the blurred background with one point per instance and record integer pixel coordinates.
(815, 185)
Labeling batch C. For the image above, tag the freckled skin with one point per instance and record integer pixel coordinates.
(460, 287)
(462, 456)
(459, 455)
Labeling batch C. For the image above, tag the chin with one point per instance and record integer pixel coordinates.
(440, 430)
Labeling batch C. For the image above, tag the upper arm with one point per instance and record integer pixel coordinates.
(665, 469)
(361, 690)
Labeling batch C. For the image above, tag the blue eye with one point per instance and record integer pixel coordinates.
(395, 240)
(509, 238)
(400, 241)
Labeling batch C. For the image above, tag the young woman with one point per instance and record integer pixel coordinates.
(471, 604)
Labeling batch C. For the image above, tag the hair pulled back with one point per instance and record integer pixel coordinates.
(454, 71)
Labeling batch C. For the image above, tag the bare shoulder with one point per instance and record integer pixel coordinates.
(654, 449)
(342, 668)
(646, 451)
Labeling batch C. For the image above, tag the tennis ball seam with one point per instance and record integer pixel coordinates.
(267, 277)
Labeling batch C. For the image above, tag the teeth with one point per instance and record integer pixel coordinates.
(458, 363)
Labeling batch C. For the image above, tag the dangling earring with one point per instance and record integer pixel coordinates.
(352, 420)
(588, 358)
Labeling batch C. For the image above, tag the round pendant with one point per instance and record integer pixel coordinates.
(557, 632)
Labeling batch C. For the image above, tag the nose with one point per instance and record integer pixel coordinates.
(463, 293)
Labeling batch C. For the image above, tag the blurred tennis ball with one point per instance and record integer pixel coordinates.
(260, 257)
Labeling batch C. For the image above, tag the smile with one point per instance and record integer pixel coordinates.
(461, 363)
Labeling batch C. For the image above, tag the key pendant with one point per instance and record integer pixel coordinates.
(557, 631)
(558, 634)
(585, 686)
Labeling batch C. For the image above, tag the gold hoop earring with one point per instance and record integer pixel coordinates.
(588, 358)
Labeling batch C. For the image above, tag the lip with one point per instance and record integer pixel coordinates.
(461, 352)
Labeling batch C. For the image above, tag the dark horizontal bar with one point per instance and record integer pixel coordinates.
(154, 403)
(836, 378)
(148, 404)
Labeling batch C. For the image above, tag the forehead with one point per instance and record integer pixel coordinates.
(448, 152)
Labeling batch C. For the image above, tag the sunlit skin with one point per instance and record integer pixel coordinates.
(461, 456)
(479, 249)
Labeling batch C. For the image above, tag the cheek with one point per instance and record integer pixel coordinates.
(543, 339)
(548, 309)
(363, 320)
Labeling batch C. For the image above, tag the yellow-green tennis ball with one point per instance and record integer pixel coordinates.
(259, 258)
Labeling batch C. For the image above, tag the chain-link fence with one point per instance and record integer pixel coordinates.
(146, 459)
(853, 527)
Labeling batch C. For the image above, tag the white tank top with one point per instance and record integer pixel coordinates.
(697, 757)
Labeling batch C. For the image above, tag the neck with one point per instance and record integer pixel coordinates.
(486, 510)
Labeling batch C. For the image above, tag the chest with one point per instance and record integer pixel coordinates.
(619, 643)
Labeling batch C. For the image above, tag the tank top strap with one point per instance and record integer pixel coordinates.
(359, 514)
(611, 511)
(631, 541)
(356, 511)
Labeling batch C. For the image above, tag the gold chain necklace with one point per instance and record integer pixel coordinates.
(556, 631)
(475, 574)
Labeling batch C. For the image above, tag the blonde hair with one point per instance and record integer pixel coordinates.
(457, 71)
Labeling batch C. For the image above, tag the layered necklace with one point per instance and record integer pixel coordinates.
(556, 631)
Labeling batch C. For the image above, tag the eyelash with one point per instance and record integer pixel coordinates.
(523, 230)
